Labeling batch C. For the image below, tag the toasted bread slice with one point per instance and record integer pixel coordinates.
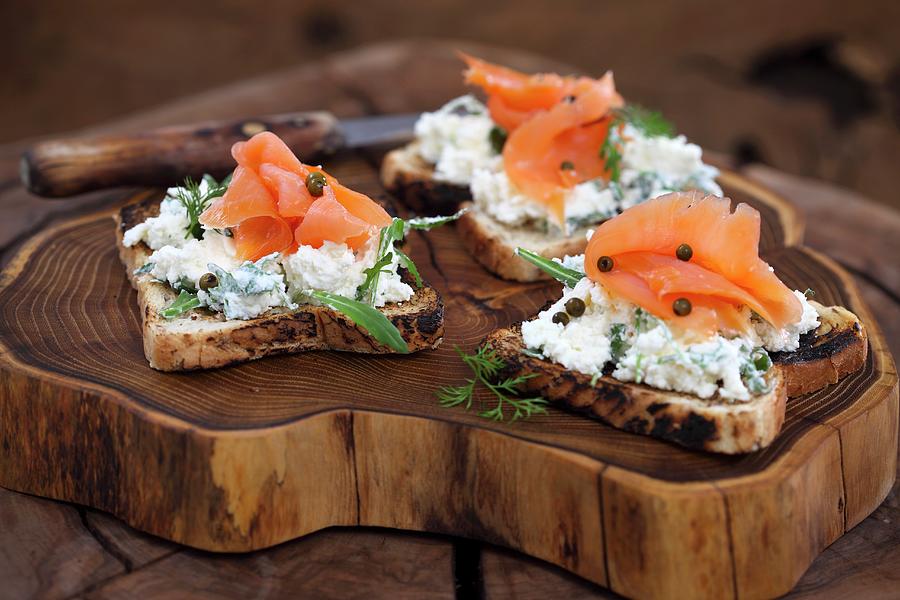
(405, 174)
(203, 339)
(837, 348)
(410, 178)
(494, 244)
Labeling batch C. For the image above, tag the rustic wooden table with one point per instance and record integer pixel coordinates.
(54, 550)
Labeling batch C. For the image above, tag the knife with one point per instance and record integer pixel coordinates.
(164, 157)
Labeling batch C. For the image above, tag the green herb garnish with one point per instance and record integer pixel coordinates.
(486, 365)
(195, 201)
(754, 369)
(531, 352)
(370, 319)
(395, 232)
(809, 293)
(145, 268)
(565, 275)
(184, 302)
(427, 223)
(649, 123)
(497, 138)
(409, 265)
(644, 321)
(617, 344)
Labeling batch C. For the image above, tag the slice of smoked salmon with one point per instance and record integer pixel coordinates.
(724, 273)
(289, 188)
(266, 147)
(329, 220)
(514, 97)
(246, 197)
(260, 236)
(270, 209)
(570, 131)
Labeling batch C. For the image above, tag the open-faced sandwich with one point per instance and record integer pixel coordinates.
(278, 258)
(671, 325)
(545, 159)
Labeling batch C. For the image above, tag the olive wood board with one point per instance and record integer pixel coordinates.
(249, 456)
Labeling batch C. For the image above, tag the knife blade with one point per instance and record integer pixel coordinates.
(164, 157)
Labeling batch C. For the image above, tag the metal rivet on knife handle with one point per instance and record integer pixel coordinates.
(251, 128)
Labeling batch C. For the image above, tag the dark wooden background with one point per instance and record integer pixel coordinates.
(810, 87)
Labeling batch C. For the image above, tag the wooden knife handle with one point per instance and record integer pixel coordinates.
(164, 157)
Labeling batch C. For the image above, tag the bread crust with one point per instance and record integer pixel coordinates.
(406, 175)
(203, 339)
(838, 347)
(711, 425)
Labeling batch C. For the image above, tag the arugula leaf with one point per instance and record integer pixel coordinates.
(395, 232)
(566, 276)
(184, 302)
(196, 201)
(532, 353)
(368, 291)
(486, 365)
(410, 266)
(370, 319)
(372, 273)
(426, 223)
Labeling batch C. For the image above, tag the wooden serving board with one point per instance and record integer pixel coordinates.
(246, 457)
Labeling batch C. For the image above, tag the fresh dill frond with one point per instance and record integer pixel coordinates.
(486, 366)
(195, 201)
(649, 122)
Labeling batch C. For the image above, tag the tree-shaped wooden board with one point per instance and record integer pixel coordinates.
(246, 457)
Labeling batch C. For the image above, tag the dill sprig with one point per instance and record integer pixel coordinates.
(486, 365)
(195, 201)
(650, 123)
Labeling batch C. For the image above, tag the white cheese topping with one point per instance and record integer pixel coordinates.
(456, 139)
(245, 289)
(335, 268)
(170, 228)
(643, 349)
(183, 266)
(787, 339)
(495, 195)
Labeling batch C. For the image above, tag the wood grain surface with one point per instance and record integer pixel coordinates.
(467, 577)
(330, 439)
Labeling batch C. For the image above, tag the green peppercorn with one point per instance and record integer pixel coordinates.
(207, 281)
(315, 182)
(684, 252)
(605, 264)
(497, 138)
(575, 307)
(561, 317)
(567, 165)
(682, 307)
